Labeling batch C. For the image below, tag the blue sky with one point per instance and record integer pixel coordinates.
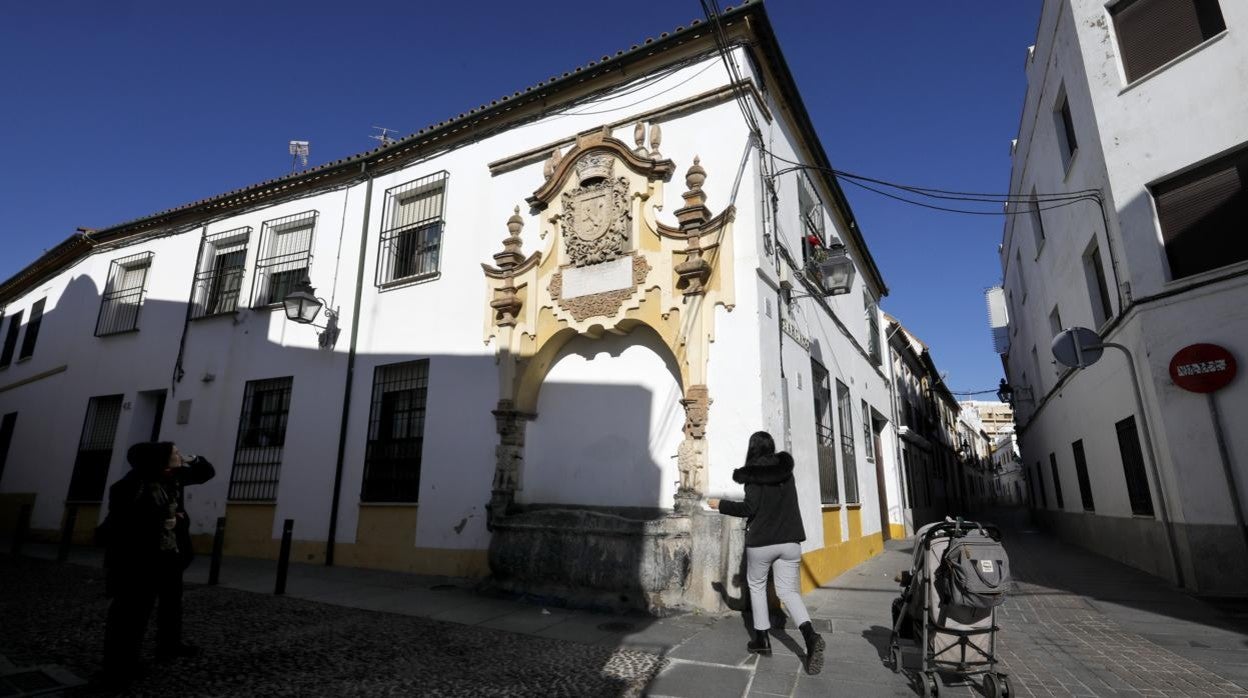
(114, 110)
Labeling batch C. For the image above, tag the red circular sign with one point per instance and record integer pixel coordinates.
(1202, 368)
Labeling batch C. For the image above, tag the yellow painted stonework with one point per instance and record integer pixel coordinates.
(896, 531)
(822, 566)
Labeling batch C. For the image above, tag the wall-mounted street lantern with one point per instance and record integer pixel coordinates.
(834, 268)
(1007, 393)
(302, 306)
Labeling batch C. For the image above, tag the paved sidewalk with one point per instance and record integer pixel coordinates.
(1077, 624)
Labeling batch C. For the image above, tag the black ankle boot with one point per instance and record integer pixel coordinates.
(814, 648)
(761, 643)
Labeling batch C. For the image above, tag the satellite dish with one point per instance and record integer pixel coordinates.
(1077, 347)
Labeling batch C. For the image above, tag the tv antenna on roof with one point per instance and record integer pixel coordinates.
(384, 136)
(298, 149)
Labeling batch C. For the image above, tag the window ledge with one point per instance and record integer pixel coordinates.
(253, 502)
(409, 281)
(23, 359)
(228, 313)
(1231, 270)
(831, 507)
(411, 505)
(118, 333)
(854, 506)
(1170, 63)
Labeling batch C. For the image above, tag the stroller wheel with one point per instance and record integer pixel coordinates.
(931, 685)
(992, 686)
(894, 656)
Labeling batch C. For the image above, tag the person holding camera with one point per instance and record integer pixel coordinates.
(147, 548)
(773, 538)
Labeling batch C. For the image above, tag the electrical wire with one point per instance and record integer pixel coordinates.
(1015, 212)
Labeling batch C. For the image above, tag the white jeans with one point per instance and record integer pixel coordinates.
(783, 559)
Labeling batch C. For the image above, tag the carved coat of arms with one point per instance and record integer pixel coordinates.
(596, 218)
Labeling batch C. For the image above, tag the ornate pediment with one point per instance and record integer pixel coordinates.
(586, 156)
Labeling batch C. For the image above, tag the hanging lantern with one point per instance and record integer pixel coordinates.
(302, 305)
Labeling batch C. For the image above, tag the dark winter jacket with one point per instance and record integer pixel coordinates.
(770, 505)
(136, 538)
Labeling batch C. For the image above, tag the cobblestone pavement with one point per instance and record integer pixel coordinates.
(1077, 624)
(263, 645)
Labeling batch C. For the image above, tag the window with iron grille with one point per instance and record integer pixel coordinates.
(285, 257)
(1151, 33)
(849, 462)
(825, 437)
(1065, 126)
(1081, 472)
(123, 295)
(411, 230)
(7, 424)
(396, 428)
(32, 330)
(261, 438)
(1098, 290)
(95, 449)
(810, 210)
(1133, 468)
(1202, 213)
(1057, 481)
(10, 339)
(219, 279)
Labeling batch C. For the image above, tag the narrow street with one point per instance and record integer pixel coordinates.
(1077, 624)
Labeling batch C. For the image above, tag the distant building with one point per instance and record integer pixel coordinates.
(1135, 113)
(996, 417)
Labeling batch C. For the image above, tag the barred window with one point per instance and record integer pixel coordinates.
(7, 424)
(411, 230)
(873, 328)
(849, 462)
(396, 428)
(219, 279)
(123, 295)
(286, 249)
(825, 439)
(95, 449)
(261, 438)
(868, 433)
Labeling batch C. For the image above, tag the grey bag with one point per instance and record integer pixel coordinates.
(974, 572)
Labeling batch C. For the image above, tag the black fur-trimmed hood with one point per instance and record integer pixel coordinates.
(765, 470)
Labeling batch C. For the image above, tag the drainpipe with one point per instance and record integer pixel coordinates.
(346, 391)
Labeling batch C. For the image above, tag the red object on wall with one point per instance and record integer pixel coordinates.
(1202, 368)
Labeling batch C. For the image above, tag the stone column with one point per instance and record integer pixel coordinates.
(691, 454)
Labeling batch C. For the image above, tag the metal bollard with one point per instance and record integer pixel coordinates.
(23, 527)
(67, 532)
(218, 544)
(283, 557)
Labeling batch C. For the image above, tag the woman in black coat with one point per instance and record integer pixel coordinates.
(773, 537)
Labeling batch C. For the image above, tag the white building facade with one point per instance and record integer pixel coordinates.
(552, 335)
(1135, 112)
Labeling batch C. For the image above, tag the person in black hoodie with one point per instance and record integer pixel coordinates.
(147, 547)
(773, 537)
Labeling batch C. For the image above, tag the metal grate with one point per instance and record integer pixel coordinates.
(825, 438)
(411, 230)
(95, 449)
(849, 462)
(219, 279)
(261, 437)
(396, 428)
(286, 244)
(119, 309)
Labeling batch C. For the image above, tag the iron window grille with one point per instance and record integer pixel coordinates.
(1133, 467)
(123, 296)
(10, 339)
(873, 328)
(32, 330)
(825, 437)
(95, 449)
(849, 461)
(219, 279)
(411, 230)
(7, 424)
(1057, 481)
(810, 210)
(396, 428)
(261, 438)
(286, 244)
(868, 434)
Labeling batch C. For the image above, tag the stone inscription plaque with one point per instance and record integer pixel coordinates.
(598, 278)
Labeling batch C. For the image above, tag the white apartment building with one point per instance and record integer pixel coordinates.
(557, 317)
(1135, 110)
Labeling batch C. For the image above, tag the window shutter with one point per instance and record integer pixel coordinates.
(1152, 32)
(1202, 217)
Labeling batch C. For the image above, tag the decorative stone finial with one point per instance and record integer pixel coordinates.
(656, 137)
(639, 137)
(696, 175)
(511, 254)
(548, 170)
